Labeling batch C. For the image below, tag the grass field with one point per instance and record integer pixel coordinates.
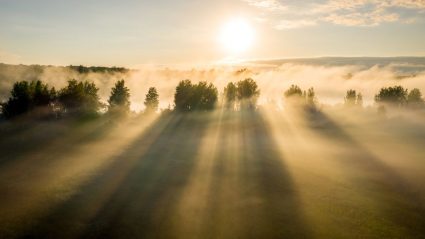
(262, 174)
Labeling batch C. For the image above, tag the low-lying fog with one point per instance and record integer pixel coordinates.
(330, 77)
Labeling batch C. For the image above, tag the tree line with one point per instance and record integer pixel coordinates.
(81, 98)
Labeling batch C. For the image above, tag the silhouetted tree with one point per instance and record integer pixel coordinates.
(204, 96)
(183, 95)
(230, 94)
(396, 96)
(152, 100)
(119, 100)
(80, 98)
(293, 91)
(296, 97)
(28, 96)
(248, 93)
(414, 99)
(311, 97)
(189, 97)
(353, 98)
(350, 98)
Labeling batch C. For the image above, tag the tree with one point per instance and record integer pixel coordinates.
(119, 101)
(204, 96)
(151, 100)
(230, 94)
(353, 98)
(29, 96)
(311, 97)
(80, 98)
(295, 96)
(414, 99)
(190, 97)
(350, 98)
(293, 91)
(248, 93)
(396, 96)
(183, 95)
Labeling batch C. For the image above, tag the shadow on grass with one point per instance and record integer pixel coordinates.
(251, 195)
(136, 195)
(399, 202)
(279, 211)
(23, 141)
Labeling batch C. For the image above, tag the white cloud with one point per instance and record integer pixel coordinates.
(339, 12)
(292, 24)
(270, 5)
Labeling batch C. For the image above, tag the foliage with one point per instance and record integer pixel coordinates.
(183, 95)
(311, 96)
(395, 95)
(119, 101)
(352, 98)
(248, 93)
(98, 69)
(414, 99)
(230, 94)
(27, 96)
(293, 91)
(189, 97)
(152, 100)
(80, 98)
(295, 95)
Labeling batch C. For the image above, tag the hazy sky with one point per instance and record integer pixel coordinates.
(130, 32)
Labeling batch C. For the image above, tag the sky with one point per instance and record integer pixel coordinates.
(132, 33)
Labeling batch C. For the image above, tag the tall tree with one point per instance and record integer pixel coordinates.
(80, 98)
(119, 101)
(152, 100)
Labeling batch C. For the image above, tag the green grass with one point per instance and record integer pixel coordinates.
(258, 174)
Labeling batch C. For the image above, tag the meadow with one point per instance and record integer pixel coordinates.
(220, 174)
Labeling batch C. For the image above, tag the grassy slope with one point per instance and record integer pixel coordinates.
(216, 175)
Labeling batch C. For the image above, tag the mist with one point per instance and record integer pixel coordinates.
(330, 81)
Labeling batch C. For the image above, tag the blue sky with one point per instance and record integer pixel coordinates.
(130, 32)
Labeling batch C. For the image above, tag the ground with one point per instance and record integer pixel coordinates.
(254, 174)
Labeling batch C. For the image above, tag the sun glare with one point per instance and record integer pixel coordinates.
(237, 36)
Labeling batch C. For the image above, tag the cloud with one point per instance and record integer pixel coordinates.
(339, 12)
(269, 5)
(291, 24)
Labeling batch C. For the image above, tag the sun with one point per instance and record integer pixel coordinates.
(237, 36)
